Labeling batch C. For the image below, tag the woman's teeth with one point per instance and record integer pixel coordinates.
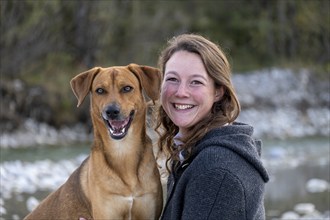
(183, 107)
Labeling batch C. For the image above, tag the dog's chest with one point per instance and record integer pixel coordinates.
(132, 206)
(133, 201)
(130, 202)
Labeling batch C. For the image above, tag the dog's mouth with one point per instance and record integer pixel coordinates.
(118, 128)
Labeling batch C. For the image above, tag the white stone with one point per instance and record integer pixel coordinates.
(304, 208)
(31, 203)
(3, 211)
(317, 185)
(290, 215)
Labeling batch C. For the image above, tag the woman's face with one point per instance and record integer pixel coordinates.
(188, 92)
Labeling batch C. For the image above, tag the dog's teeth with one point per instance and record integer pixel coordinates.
(118, 128)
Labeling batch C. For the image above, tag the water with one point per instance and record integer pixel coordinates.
(53, 153)
(291, 164)
(288, 188)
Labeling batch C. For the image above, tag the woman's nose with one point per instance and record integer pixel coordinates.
(182, 90)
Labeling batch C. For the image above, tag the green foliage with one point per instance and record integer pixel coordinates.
(254, 33)
(48, 42)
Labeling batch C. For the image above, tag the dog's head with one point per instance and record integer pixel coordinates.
(116, 94)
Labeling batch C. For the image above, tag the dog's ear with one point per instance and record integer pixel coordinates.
(81, 84)
(150, 79)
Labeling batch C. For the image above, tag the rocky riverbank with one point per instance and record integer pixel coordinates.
(282, 103)
(32, 133)
(279, 103)
(299, 186)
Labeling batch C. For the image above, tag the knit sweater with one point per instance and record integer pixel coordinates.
(223, 179)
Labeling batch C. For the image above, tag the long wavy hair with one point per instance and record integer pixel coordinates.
(224, 111)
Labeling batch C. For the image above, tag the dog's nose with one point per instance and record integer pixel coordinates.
(112, 111)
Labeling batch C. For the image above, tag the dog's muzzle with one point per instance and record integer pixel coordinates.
(116, 122)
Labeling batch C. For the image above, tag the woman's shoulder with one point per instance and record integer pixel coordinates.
(221, 161)
(226, 149)
(215, 157)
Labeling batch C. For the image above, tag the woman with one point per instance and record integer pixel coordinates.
(214, 163)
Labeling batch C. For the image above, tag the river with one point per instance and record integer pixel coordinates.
(293, 165)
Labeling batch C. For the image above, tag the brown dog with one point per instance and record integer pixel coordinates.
(120, 179)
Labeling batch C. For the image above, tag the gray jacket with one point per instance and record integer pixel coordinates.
(223, 179)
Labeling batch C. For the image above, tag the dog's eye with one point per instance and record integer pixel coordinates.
(127, 89)
(99, 91)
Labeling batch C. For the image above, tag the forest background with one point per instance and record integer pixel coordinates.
(44, 44)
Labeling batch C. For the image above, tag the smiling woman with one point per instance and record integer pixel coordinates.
(196, 76)
(188, 92)
(214, 162)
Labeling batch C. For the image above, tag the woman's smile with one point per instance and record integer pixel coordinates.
(182, 106)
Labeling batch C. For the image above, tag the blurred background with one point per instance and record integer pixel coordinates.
(280, 56)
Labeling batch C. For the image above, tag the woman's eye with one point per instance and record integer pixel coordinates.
(99, 91)
(127, 89)
(172, 79)
(196, 82)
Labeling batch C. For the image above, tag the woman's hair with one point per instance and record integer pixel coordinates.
(226, 110)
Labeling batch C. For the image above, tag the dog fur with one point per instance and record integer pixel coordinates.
(119, 179)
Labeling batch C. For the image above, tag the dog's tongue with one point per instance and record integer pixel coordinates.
(117, 125)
